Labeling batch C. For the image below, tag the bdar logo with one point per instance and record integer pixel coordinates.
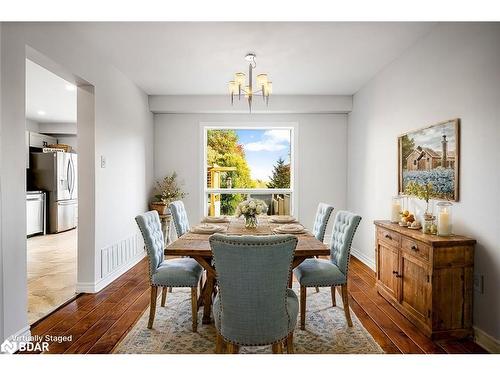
(8, 347)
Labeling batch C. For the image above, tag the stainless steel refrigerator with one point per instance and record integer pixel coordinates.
(56, 173)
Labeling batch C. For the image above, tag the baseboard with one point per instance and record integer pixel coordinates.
(488, 342)
(9, 345)
(363, 258)
(104, 282)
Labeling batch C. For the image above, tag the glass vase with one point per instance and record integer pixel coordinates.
(251, 222)
(396, 209)
(444, 219)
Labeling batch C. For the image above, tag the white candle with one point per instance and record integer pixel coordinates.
(444, 224)
(396, 210)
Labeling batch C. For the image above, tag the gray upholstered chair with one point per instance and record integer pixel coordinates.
(323, 214)
(182, 272)
(179, 216)
(316, 272)
(254, 306)
(321, 221)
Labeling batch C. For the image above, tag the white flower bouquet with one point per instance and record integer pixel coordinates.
(250, 208)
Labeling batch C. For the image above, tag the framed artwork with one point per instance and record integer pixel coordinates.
(431, 155)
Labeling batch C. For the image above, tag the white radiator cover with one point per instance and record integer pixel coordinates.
(118, 255)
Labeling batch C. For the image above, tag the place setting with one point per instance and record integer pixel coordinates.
(282, 219)
(216, 219)
(208, 228)
(294, 228)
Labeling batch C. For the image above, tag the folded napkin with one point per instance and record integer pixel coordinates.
(207, 229)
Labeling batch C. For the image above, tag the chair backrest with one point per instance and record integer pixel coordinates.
(321, 221)
(252, 275)
(150, 226)
(344, 227)
(179, 216)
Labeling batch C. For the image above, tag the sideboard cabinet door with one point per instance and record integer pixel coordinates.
(388, 268)
(416, 287)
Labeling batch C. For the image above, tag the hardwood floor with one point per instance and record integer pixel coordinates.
(99, 321)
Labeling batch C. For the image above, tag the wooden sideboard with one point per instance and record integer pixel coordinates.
(428, 278)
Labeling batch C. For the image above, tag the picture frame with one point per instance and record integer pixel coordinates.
(431, 155)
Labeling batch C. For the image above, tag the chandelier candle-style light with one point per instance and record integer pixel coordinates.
(239, 86)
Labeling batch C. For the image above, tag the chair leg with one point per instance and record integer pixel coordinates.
(345, 301)
(317, 289)
(163, 296)
(289, 343)
(220, 344)
(194, 307)
(232, 348)
(278, 348)
(302, 307)
(334, 302)
(152, 306)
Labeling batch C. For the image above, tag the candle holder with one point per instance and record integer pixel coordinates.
(397, 208)
(444, 219)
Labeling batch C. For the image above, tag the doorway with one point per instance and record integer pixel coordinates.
(52, 190)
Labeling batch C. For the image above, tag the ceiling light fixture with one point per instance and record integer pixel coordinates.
(41, 113)
(238, 86)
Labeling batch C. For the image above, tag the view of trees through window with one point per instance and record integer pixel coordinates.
(248, 159)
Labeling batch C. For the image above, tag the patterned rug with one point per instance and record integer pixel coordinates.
(326, 330)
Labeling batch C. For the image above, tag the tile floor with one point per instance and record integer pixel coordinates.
(51, 272)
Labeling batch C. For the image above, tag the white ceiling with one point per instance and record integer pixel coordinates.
(49, 98)
(334, 58)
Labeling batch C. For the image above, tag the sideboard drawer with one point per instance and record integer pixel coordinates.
(415, 248)
(389, 237)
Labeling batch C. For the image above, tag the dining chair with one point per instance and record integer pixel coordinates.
(323, 214)
(321, 221)
(181, 272)
(179, 216)
(253, 306)
(331, 272)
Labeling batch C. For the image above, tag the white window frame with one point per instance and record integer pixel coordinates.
(293, 190)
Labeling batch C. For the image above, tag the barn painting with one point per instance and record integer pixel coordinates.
(431, 155)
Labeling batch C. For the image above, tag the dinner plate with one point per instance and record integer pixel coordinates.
(216, 219)
(290, 229)
(282, 219)
(208, 229)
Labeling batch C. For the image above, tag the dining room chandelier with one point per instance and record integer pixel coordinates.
(239, 86)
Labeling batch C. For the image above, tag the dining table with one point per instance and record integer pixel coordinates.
(197, 246)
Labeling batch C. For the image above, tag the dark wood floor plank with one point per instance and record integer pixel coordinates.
(380, 337)
(397, 336)
(113, 336)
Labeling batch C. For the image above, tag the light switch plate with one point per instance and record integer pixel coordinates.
(103, 161)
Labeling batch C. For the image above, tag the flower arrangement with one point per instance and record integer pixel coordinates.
(167, 191)
(250, 208)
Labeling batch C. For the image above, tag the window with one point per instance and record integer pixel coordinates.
(242, 162)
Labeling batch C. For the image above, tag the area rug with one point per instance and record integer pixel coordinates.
(326, 330)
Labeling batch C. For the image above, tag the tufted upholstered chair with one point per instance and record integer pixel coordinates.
(254, 306)
(316, 272)
(179, 216)
(321, 221)
(182, 272)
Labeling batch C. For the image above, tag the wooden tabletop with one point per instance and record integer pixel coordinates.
(194, 244)
(431, 239)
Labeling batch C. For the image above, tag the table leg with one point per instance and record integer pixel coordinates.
(207, 303)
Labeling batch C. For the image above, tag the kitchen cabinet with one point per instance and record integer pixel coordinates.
(41, 140)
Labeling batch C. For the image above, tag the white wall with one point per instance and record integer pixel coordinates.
(122, 132)
(452, 72)
(321, 155)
